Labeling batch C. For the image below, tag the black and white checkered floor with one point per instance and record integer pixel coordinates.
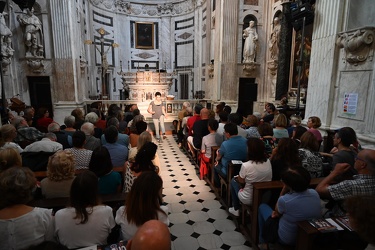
(198, 220)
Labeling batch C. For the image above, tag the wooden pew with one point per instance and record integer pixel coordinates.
(232, 170)
(211, 165)
(259, 189)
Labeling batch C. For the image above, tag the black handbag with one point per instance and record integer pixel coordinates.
(270, 230)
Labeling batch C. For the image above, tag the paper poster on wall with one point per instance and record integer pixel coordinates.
(350, 103)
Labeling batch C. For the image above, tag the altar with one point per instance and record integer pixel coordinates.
(142, 85)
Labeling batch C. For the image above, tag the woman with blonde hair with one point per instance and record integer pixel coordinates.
(9, 157)
(60, 175)
(8, 132)
(280, 130)
(142, 204)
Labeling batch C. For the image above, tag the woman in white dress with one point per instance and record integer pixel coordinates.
(86, 222)
(142, 204)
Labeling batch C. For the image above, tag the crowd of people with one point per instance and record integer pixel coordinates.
(271, 146)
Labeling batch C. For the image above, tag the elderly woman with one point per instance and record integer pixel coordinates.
(8, 133)
(93, 118)
(22, 226)
(60, 175)
(252, 130)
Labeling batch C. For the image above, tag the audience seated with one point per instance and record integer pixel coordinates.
(361, 213)
(86, 222)
(180, 127)
(9, 157)
(25, 134)
(92, 142)
(29, 114)
(60, 175)
(313, 123)
(81, 155)
(144, 160)
(234, 148)
(118, 152)
(7, 134)
(200, 129)
(47, 144)
(308, 152)
(227, 109)
(100, 123)
(256, 169)
(271, 111)
(223, 120)
(61, 137)
(218, 109)
(296, 203)
(297, 133)
(266, 135)
(122, 139)
(280, 130)
(69, 122)
(153, 234)
(93, 118)
(43, 120)
(342, 141)
(362, 184)
(101, 164)
(140, 126)
(208, 141)
(79, 118)
(196, 117)
(237, 119)
(284, 156)
(142, 204)
(48, 245)
(128, 116)
(137, 117)
(22, 226)
(252, 127)
(295, 121)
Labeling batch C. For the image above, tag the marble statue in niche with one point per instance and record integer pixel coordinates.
(251, 41)
(275, 39)
(33, 33)
(6, 43)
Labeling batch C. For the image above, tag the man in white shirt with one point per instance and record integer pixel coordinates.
(47, 144)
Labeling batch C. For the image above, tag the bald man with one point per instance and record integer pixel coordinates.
(200, 129)
(362, 184)
(153, 234)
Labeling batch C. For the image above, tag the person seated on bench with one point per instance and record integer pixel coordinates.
(362, 184)
(60, 175)
(81, 155)
(101, 164)
(9, 157)
(153, 234)
(256, 169)
(296, 203)
(22, 226)
(142, 204)
(234, 148)
(200, 129)
(208, 141)
(86, 222)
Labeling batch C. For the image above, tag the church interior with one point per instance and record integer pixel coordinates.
(316, 56)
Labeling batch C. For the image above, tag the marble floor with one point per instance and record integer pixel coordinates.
(197, 219)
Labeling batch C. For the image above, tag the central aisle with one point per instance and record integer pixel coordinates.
(198, 220)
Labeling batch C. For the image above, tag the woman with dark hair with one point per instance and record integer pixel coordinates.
(296, 203)
(308, 152)
(266, 135)
(257, 168)
(142, 204)
(22, 226)
(101, 165)
(86, 222)
(297, 133)
(43, 120)
(284, 156)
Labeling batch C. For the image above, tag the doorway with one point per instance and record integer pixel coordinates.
(40, 93)
(184, 86)
(247, 95)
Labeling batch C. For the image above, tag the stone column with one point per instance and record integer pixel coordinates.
(285, 47)
(226, 54)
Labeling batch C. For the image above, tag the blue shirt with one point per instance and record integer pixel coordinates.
(122, 139)
(234, 148)
(118, 153)
(296, 207)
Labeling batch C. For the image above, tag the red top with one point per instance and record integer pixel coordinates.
(190, 122)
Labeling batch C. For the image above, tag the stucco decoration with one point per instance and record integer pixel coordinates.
(358, 44)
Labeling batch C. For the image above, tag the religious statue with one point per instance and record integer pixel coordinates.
(33, 33)
(275, 39)
(6, 43)
(251, 40)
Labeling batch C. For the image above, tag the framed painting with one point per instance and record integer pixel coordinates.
(144, 35)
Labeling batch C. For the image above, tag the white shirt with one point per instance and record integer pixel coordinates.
(94, 232)
(45, 145)
(13, 145)
(29, 229)
(129, 229)
(252, 172)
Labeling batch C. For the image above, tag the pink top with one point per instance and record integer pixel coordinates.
(316, 133)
